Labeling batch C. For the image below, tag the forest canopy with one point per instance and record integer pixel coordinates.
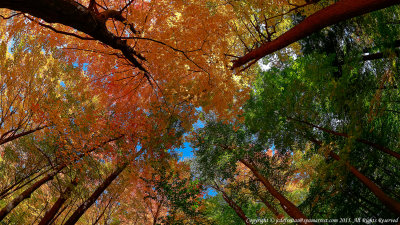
(291, 109)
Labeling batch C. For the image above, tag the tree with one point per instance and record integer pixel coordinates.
(220, 144)
(49, 216)
(157, 45)
(342, 102)
(86, 85)
(330, 15)
(93, 197)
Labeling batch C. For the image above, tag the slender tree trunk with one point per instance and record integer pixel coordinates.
(390, 203)
(96, 194)
(238, 210)
(27, 193)
(48, 217)
(271, 207)
(16, 136)
(379, 55)
(103, 212)
(155, 217)
(288, 206)
(364, 208)
(337, 12)
(9, 190)
(377, 146)
(375, 206)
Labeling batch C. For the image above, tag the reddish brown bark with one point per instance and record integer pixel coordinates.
(95, 195)
(238, 210)
(16, 186)
(48, 217)
(287, 205)
(361, 140)
(27, 193)
(155, 217)
(73, 14)
(340, 11)
(390, 203)
(4, 139)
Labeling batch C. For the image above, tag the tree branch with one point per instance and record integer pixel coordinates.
(337, 12)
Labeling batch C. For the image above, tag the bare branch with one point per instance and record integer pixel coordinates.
(127, 5)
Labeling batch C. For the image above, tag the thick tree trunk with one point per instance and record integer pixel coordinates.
(377, 146)
(238, 210)
(48, 217)
(390, 203)
(340, 11)
(27, 193)
(73, 14)
(288, 206)
(96, 194)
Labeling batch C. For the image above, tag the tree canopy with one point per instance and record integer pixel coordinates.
(291, 109)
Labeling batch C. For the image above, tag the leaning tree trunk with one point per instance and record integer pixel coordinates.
(48, 217)
(16, 186)
(390, 203)
(28, 192)
(238, 210)
(103, 212)
(95, 195)
(287, 205)
(4, 139)
(340, 11)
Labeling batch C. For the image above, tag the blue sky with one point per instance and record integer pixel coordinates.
(186, 150)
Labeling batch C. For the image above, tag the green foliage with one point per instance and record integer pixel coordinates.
(332, 87)
(222, 214)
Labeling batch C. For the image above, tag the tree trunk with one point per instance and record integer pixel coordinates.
(73, 14)
(288, 206)
(47, 218)
(96, 194)
(155, 217)
(27, 193)
(16, 186)
(271, 207)
(340, 11)
(390, 203)
(238, 210)
(377, 146)
(103, 212)
(4, 140)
